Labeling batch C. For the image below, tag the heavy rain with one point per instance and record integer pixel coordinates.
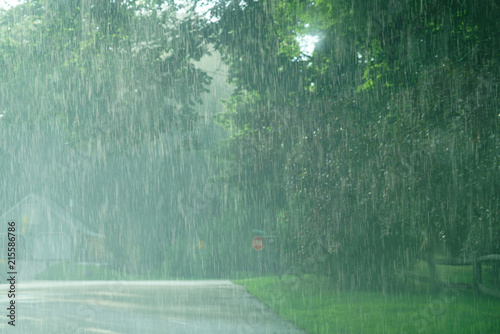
(254, 166)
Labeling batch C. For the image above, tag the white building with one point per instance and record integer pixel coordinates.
(45, 235)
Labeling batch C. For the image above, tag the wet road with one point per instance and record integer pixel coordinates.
(175, 307)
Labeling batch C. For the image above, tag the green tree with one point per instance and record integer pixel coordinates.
(114, 73)
(374, 135)
(115, 78)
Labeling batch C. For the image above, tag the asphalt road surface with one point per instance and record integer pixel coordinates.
(114, 307)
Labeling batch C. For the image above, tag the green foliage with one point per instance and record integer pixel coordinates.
(380, 148)
(385, 141)
(113, 76)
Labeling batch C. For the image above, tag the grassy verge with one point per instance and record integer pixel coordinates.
(65, 271)
(315, 305)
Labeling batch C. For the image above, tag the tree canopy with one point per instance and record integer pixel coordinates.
(379, 148)
(385, 140)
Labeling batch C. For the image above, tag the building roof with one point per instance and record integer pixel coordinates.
(55, 209)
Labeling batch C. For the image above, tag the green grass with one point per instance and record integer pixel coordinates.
(455, 274)
(315, 305)
(65, 271)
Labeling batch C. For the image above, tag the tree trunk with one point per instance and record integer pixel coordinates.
(431, 263)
